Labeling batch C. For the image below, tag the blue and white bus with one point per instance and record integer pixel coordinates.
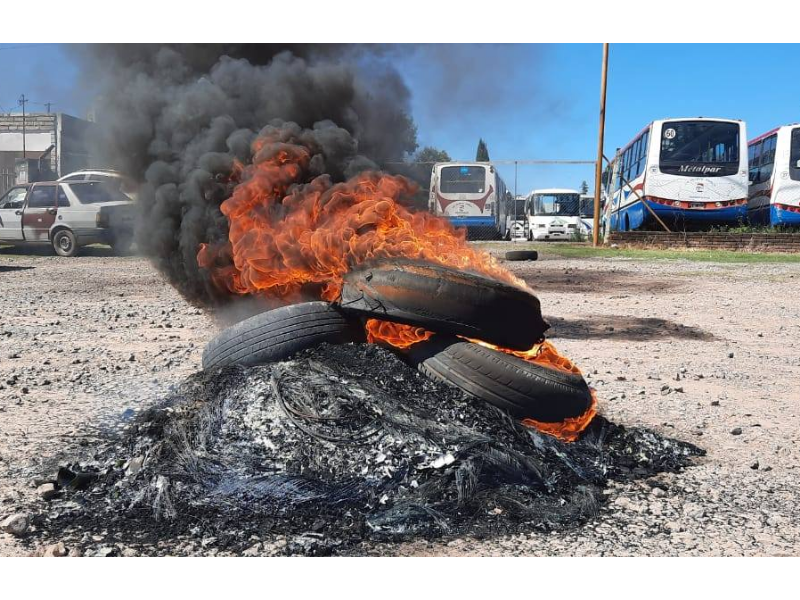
(692, 173)
(774, 198)
(469, 195)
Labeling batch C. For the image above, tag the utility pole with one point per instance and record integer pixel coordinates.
(598, 170)
(23, 101)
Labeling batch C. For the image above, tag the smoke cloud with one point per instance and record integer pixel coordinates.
(181, 117)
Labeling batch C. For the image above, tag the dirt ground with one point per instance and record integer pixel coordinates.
(701, 352)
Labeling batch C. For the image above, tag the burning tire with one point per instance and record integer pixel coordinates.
(522, 388)
(276, 334)
(445, 300)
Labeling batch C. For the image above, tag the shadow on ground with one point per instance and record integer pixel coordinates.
(623, 327)
(9, 268)
(46, 250)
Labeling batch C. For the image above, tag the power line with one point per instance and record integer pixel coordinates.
(499, 162)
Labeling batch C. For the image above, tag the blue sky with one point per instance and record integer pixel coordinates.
(526, 101)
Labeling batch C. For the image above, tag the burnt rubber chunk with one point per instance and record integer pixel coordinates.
(445, 300)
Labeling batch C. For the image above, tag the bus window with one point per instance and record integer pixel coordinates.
(794, 155)
(463, 180)
(767, 158)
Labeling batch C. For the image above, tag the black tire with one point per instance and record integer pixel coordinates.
(277, 334)
(65, 243)
(522, 255)
(522, 388)
(445, 300)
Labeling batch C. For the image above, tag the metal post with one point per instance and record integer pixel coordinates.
(598, 170)
(23, 101)
(513, 239)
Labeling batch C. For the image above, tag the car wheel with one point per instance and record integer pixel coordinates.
(122, 244)
(65, 243)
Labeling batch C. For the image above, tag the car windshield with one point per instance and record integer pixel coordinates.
(94, 192)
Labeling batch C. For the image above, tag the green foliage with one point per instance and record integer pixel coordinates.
(584, 187)
(482, 154)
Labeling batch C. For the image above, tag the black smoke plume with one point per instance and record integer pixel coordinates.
(176, 117)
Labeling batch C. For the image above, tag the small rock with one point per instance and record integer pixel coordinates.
(47, 491)
(55, 550)
(736, 431)
(730, 354)
(715, 403)
(754, 466)
(16, 524)
(135, 465)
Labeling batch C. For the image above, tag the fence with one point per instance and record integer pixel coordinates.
(747, 242)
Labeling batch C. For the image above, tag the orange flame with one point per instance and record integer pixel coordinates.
(288, 238)
(291, 240)
(570, 429)
(395, 334)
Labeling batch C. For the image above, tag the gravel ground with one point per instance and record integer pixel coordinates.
(696, 351)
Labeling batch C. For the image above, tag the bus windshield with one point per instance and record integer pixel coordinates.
(794, 155)
(463, 180)
(587, 207)
(516, 208)
(555, 204)
(694, 148)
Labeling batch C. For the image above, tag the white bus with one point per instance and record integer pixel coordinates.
(467, 194)
(774, 197)
(690, 172)
(554, 214)
(512, 218)
(586, 213)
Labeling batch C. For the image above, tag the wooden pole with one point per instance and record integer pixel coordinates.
(598, 169)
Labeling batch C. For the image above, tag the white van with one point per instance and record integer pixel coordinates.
(554, 214)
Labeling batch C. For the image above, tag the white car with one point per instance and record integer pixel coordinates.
(67, 216)
(124, 184)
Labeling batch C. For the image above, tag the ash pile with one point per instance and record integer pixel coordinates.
(338, 446)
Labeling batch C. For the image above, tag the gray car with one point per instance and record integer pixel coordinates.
(67, 215)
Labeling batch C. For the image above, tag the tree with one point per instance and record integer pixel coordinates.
(482, 155)
(584, 188)
(431, 155)
(418, 167)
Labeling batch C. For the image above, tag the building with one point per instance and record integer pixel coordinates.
(53, 145)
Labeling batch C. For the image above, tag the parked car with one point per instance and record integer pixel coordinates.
(123, 183)
(67, 216)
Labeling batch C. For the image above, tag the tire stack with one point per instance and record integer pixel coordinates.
(456, 305)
